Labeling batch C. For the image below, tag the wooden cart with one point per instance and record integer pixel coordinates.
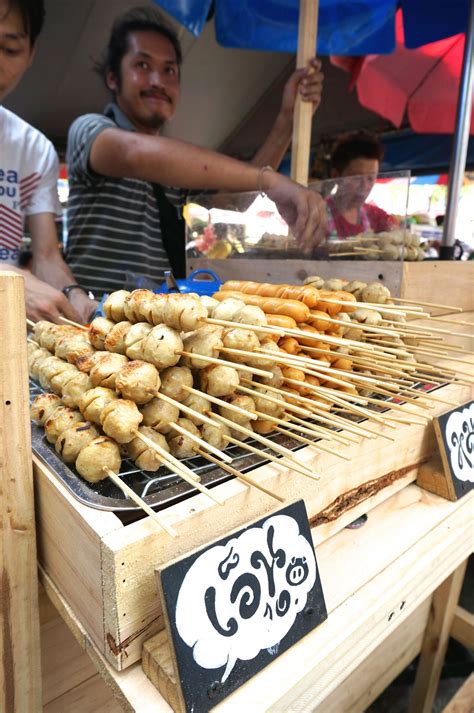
(100, 573)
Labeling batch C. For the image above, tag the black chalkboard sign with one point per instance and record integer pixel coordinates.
(235, 605)
(455, 433)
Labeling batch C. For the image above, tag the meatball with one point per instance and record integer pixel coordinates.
(209, 303)
(137, 381)
(159, 415)
(100, 453)
(162, 347)
(276, 379)
(217, 436)
(115, 339)
(105, 371)
(269, 403)
(114, 305)
(244, 402)
(98, 331)
(138, 306)
(202, 342)
(61, 419)
(180, 445)
(227, 308)
(134, 339)
(43, 406)
(35, 360)
(71, 347)
(219, 380)
(251, 314)
(263, 427)
(120, 419)
(145, 457)
(242, 339)
(173, 379)
(72, 440)
(376, 292)
(93, 401)
(59, 381)
(88, 361)
(49, 368)
(199, 404)
(75, 387)
(183, 312)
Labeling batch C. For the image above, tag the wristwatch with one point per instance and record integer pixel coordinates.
(66, 291)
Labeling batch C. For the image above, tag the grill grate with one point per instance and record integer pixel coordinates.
(161, 488)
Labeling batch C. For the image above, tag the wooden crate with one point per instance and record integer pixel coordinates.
(105, 570)
(445, 282)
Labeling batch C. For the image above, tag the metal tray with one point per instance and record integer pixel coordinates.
(161, 488)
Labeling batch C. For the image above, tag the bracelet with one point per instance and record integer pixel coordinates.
(260, 177)
(66, 290)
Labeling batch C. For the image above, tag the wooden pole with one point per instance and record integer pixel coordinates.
(19, 616)
(303, 117)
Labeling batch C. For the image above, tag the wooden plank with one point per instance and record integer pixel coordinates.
(463, 627)
(432, 477)
(64, 663)
(435, 642)
(20, 676)
(69, 547)
(296, 271)
(91, 696)
(132, 612)
(303, 113)
(463, 701)
(374, 674)
(432, 536)
(446, 282)
(382, 585)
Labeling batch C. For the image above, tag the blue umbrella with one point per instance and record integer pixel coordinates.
(345, 27)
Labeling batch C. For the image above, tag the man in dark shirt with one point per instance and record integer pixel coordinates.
(117, 160)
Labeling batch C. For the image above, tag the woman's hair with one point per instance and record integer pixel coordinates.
(357, 144)
(32, 15)
(139, 19)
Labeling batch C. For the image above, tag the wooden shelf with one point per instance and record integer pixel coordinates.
(378, 582)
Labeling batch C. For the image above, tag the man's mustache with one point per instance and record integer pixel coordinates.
(156, 95)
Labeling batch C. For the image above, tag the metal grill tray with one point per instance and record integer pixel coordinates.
(161, 488)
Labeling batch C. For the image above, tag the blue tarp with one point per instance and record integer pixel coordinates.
(420, 153)
(345, 27)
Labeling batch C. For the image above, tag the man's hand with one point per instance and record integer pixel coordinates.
(46, 302)
(308, 83)
(83, 305)
(304, 210)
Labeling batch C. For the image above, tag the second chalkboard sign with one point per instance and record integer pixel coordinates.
(234, 606)
(455, 433)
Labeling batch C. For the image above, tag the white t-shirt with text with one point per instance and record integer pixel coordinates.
(29, 170)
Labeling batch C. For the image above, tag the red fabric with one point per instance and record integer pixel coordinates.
(379, 221)
(421, 83)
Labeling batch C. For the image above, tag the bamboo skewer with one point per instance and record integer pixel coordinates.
(182, 407)
(453, 321)
(241, 476)
(310, 443)
(219, 402)
(168, 460)
(223, 362)
(426, 304)
(138, 500)
(374, 306)
(357, 428)
(293, 333)
(184, 432)
(358, 325)
(311, 429)
(182, 471)
(287, 454)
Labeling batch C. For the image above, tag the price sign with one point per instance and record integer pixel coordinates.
(455, 433)
(234, 606)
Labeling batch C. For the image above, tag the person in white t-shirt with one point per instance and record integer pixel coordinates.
(28, 181)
